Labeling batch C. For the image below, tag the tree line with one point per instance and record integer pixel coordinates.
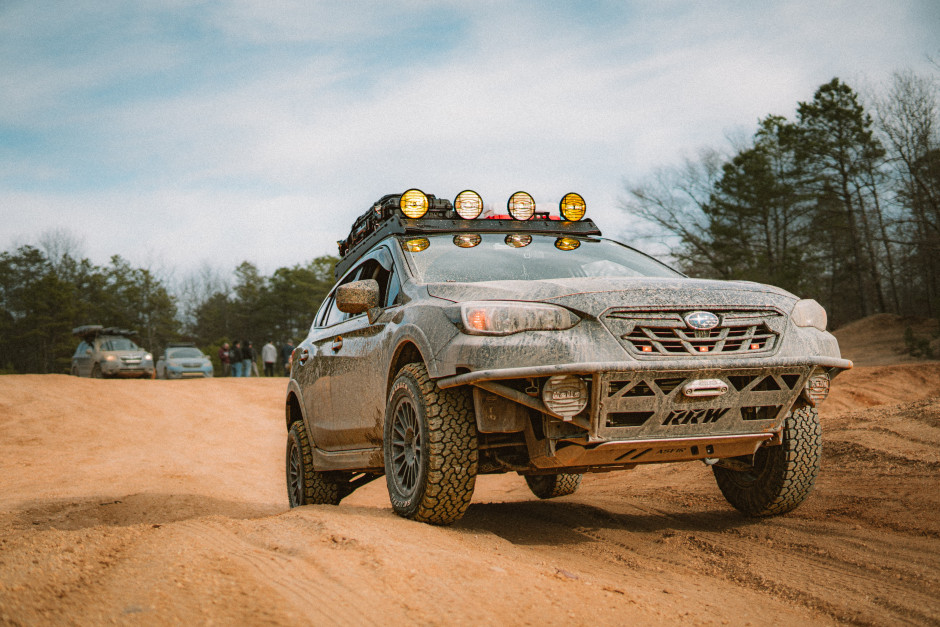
(46, 292)
(840, 204)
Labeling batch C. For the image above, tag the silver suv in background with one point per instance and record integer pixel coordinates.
(110, 352)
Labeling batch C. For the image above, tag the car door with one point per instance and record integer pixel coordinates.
(81, 360)
(313, 371)
(358, 357)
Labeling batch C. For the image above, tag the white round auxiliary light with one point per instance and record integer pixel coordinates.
(468, 204)
(521, 206)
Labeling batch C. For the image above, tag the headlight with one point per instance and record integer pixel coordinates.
(506, 318)
(809, 313)
(148, 357)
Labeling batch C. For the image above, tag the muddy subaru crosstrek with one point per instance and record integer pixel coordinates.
(455, 344)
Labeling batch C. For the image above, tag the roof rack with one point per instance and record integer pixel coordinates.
(93, 330)
(384, 219)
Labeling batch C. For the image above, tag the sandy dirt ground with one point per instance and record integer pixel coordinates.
(163, 502)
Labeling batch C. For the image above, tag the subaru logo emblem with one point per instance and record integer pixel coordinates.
(702, 320)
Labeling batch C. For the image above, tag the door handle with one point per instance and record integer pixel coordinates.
(337, 343)
(304, 356)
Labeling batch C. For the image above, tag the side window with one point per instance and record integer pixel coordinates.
(382, 270)
(330, 312)
(333, 314)
(372, 268)
(322, 312)
(80, 351)
(394, 288)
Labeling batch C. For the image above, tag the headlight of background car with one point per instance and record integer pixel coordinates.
(809, 313)
(505, 318)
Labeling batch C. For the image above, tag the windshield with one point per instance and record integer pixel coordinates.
(471, 257)
(118, 344)
(183, 353)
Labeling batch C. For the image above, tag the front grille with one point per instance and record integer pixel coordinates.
(660, 334)
(644, 405)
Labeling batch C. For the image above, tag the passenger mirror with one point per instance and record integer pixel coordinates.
(357, 296)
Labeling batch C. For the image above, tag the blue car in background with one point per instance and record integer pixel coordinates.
(183, 361)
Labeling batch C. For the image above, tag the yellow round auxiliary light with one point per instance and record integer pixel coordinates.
(468, 204)
(414, 203)
(417, 245)
(521, 206)
(467, 240)
(518, 240)
(566, 243)
(572, 207)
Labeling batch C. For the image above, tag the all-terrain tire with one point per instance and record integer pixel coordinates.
(782, 476)
(430, 448)
(305, 485)
(551, 486)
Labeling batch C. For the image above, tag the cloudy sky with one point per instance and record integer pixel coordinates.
(177, 134)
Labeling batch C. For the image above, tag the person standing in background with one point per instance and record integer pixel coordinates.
(286, 351)
(268, 356)
(237, 359)
(254, 361)
(248, 357)
(225, 360)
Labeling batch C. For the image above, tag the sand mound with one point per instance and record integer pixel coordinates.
(879, 340)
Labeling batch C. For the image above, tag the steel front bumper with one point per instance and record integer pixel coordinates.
(641, 412)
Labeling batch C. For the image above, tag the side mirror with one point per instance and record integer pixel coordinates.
(357, 296)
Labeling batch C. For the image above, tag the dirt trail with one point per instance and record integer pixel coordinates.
(159, 502)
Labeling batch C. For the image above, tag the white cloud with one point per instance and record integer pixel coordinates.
(268, 149)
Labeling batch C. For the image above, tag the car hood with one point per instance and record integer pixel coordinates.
(595, 295)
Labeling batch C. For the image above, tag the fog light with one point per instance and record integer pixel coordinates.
(414, 203)
(467, 240)
(521, 206)
(816, 389)
(572, 207)
(468, 204)
(565, 396)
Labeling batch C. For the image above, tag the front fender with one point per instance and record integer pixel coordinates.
(294, 405)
